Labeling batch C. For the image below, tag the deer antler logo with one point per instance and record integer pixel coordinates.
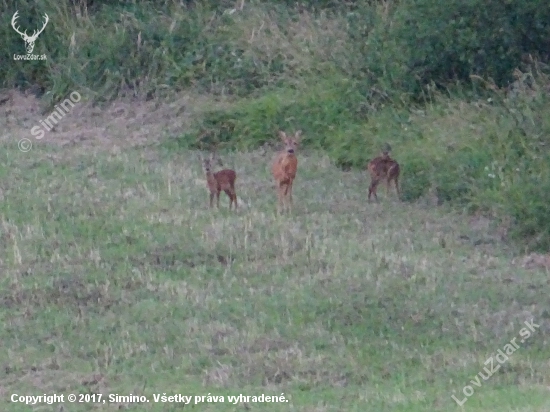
(29, 40)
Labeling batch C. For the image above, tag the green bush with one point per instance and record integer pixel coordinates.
(415, 180)
(441, 42)
(527, 201)
(459, 172)
(146, 53)
(320, 113)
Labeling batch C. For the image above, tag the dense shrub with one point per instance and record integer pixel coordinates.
(320, 112)
(147, 52)
(524, 162)
(432, 41)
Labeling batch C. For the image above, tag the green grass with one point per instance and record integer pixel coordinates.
(117, 278)
(470, 127)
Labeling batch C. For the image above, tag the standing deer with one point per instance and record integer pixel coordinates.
(29, 40)
(383, 167)
(284, 169)
(222, 180)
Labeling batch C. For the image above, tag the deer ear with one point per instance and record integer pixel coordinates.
(282, 134)
(298, 134)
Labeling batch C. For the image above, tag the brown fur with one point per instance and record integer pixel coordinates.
(284, 169)
(383, 167)
(222, 180)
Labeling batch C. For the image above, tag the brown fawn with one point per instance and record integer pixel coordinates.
(383, 167)
(222, 180)
(284, 169)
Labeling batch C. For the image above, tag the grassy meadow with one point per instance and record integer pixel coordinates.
(117, 278)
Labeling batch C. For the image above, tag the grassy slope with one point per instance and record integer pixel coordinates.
(115, 278)
(112, 266)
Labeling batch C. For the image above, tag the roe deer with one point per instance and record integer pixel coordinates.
(383, 167)
(284, 169)
(222, 180)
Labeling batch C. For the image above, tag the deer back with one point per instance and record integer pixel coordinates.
(285, 166)
(383, 166)
(225, 178)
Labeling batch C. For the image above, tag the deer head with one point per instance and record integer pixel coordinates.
(290, 142)
(29, 40)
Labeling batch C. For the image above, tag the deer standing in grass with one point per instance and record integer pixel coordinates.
(222, 180)
(383, 167)
(284, 169)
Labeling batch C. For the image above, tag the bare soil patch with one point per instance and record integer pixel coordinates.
(123, 122)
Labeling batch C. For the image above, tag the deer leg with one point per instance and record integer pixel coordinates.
(230, 195)
(290, 195)
(397, 188)
(211, 199)
(218, 199)
(372, 189)
(283, 199)
(234, 194)
(290, 192)
(279, 197)
(284, 189)
(234, 197)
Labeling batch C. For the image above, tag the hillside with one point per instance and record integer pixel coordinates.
(118, 279)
